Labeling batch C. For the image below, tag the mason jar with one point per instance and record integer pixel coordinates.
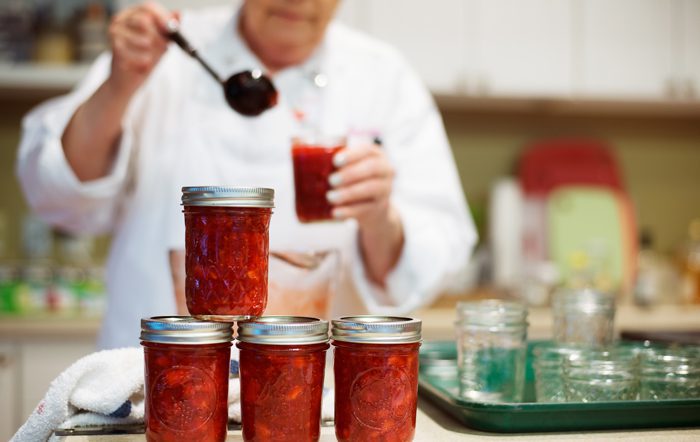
(186, 378)
(376, 377)
(282, 362)
(583, 317)
(548, 365)
(226, 251)
(491, 350)
(671, 373)
(594, 375)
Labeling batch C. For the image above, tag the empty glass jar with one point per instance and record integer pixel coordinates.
(491, 350)
(549, 364)
(583, 317)
(672, 373)
(602, 375)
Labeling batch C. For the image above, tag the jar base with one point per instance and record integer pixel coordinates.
(224, 318)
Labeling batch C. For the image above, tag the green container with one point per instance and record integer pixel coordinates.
(438, 382)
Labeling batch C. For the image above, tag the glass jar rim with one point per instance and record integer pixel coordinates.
(228, 196)
(374, 329)
(184, 330)
(283, 330)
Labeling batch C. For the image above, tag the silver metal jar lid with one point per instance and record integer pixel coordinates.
(184, 330)
(283, 330)
(370, 329)
(225, 196)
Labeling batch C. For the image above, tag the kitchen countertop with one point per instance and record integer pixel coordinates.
(438, 323)
(433, 425)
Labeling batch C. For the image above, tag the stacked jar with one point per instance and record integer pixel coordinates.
(491, 350)
(376, 378)
(282, 362)
(583, 317)
(226, 251)
(186, 378)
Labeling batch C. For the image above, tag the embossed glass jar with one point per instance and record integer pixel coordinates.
(282, 362)
(226, 251)
(583, 316)
(671, 373)
(376, 377)
(186, 378)
(594, 375)
(549, 365)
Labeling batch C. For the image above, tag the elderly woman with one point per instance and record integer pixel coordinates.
(111, 155)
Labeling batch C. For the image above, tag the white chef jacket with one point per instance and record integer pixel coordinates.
(178, 130)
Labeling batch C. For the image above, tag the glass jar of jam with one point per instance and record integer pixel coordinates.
(226, 251)
(282, 362)
(186, 378)
(312, 157)
(376, 377)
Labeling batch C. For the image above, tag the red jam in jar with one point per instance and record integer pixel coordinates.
(226, 251)
(282, 362)
(186, 378)
(376, 378)
(313, 163)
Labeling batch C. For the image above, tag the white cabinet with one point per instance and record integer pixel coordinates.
(430, 35)
(8, 390)
(626, 48)
(688, 13)
(522, 47)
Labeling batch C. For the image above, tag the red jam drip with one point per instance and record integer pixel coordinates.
(312, 166)
(186, 392)
(226, 260)
(281, 391)
(376, 391)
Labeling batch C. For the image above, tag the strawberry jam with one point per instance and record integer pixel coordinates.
(313, 163)
(226, 252)
(282, 361)
(376, 378)
(186, 379)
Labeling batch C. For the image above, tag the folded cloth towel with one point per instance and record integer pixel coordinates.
(106, 389)
(102, 388)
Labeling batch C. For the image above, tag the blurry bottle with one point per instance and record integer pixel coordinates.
(53, 43)
(657, 280)
(92, 31)
(691, 264)
(9, 283)
(15, 31)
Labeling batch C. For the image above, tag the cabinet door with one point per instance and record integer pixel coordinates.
(625, 48)
(429, 34)
(42, 362)
(523, 47)
(690, 47)
(9, 422)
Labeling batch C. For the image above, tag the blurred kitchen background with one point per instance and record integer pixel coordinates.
(575, 125)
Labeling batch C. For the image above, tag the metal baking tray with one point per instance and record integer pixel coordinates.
(438, 382)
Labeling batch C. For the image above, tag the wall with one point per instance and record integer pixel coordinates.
(659, 157)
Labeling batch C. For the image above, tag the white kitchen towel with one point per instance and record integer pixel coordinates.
(103, 388)
(106, 389)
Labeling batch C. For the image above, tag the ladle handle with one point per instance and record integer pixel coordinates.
(175, 36)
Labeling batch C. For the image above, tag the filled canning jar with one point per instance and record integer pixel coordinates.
(312, 158)
(186, 378)
(226, 251)
(376, 377)
(282, 362)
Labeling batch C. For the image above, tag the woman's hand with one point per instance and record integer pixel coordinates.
(362, 188)
(138, 37)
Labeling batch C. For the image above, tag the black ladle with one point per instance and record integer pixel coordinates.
(249, 93)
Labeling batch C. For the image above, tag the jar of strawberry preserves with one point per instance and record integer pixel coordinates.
(186, 378)
(376, 377)
(226, 251)
(282, 362)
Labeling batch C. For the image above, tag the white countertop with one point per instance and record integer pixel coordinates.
(432, 425)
